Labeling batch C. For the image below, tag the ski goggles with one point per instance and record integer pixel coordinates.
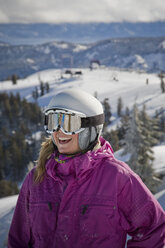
(69, 122)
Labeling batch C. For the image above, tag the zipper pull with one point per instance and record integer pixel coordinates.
(84, 209)
(50, 206)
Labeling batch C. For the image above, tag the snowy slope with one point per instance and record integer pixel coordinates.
(108, 83)
(7, 206)
(111, 83)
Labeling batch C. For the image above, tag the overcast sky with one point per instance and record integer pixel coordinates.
(56, 11)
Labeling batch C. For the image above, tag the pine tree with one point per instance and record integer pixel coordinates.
(35, 94)
(19, 120)
(15, 106)
(113, 139)
(162, 83)
(107, 112)
(47, 87)
(8, 188)
(7, 109)
(14, 79)
(1, 164)
(132, 139)
(137, 143)
(119, 106)
(122, 127)
(42, 88)
(127, 111)
(160, 121)
(96, 94)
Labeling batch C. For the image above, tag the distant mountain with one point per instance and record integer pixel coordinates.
(138, 53)
(77, 32)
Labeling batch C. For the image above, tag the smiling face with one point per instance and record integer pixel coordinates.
(66, 144)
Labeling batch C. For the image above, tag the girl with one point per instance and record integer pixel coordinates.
(79, 195)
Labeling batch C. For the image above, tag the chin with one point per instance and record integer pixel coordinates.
(64, 151)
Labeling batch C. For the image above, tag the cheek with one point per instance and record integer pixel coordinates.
(77, 138)
(76, 143)
(54, 137)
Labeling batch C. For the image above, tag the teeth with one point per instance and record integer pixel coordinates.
(64, 138)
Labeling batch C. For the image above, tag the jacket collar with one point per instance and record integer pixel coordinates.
(79, 165)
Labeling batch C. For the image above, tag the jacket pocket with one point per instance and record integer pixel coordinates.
(43, 218)
(96, 220)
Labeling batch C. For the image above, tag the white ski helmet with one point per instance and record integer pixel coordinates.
(78, 101)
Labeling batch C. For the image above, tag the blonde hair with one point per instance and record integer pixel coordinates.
(47, 148)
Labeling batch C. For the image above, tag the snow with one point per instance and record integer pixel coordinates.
(30, 61)
(119, 156)
(79, 48)
(61, 45)
(37, 135)
(140, 61)
(7, 206)
(131, 86)
(162, 44)
(159, 162)
(109, 83)
(47, 50)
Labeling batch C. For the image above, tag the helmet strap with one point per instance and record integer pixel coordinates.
(92, 144)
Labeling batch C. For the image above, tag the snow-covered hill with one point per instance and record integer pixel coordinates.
(138, 53)
(109, 83)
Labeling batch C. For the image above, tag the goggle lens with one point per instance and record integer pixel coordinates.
(69, 123)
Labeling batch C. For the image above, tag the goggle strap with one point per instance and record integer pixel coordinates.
(46, 120)
(92, 121)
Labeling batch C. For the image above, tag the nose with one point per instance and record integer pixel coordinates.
(58, 128)
(59, 131)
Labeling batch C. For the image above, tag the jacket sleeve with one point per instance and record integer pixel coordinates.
(141, 215)
(19, 233)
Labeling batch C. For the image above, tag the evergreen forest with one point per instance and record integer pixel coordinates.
(19, 122)
(136, 134)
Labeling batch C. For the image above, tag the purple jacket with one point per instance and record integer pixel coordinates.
(87, 201)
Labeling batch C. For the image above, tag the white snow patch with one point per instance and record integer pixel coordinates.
(159, 162)
(30, 61)
(61, 45)
(47, 50)
(37, 135)
(119, 156)
(162, 44)
(7, 204)
(79, 48)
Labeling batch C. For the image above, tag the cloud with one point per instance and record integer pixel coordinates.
(55, 11)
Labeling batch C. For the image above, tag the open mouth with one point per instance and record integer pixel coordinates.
(64, 140)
